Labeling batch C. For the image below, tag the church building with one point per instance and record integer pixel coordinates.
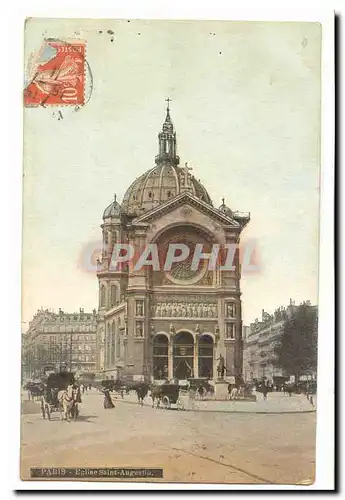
(156, 324)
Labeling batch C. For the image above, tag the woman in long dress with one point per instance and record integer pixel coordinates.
(107, 399)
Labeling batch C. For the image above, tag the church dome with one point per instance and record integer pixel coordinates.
(165, 180)
(226, 210)
(158, 185)
(112, 210)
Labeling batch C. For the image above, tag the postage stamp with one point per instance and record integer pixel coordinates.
(56, 75)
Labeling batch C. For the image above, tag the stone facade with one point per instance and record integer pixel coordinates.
(174, 324)
(259, 345)
(60, 340)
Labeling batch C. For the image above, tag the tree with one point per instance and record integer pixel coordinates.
(297, 350)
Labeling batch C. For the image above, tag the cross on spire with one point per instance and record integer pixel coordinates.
(168, 100)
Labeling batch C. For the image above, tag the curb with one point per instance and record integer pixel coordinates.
(296, 412)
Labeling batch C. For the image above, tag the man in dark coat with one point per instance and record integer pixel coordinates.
(264, 389)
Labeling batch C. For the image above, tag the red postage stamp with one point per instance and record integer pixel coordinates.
(57, 75)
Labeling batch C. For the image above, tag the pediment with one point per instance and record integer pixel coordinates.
(186, 202)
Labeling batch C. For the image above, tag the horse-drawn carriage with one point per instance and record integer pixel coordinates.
(201, 387)
(35, 389)
(168, 394)
(60, 394)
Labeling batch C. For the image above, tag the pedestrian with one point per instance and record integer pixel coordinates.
(264, 390)
(191, 398)
(107, 402)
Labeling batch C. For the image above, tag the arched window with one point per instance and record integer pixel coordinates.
(113, 295)
(102, 296)
(113, 343)
(205, 356)
(105, 343)
(160, 357)
(183, 354)
(118, 340)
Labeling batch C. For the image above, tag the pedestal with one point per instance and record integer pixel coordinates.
(221, 389)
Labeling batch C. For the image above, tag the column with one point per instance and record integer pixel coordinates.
(215, 364)
(170, 359)
(196, 359)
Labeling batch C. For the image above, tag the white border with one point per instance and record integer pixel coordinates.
(13, 77)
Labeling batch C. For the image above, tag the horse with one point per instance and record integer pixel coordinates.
(68, 401)
(141, 390)
(233, 392)
(156, 395)
(49, 401)
(202, 392)
(288, 389)
(35, 391)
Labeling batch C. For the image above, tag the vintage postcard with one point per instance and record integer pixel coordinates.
(171, 219)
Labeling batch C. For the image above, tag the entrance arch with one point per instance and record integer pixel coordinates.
(205, 356)
(183, 355)
(160, 357)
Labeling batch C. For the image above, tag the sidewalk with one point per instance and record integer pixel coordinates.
(275, 403)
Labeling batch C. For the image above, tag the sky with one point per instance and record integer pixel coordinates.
(246, 109)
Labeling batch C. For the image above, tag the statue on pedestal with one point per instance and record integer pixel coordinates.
(139, 308)
(152, 330)
(221, 367)
(139, 330)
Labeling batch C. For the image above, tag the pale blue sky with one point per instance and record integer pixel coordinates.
(246, 104)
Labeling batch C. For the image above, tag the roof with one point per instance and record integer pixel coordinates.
(160, 184)
(112, 210)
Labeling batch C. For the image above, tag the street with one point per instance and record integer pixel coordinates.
(207, 445)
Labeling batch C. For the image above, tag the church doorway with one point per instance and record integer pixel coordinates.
(183, 355)
(160, 357)
(205, 356)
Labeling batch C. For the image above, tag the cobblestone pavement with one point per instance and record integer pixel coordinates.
(191, 446)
